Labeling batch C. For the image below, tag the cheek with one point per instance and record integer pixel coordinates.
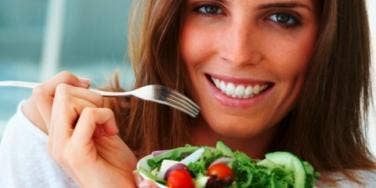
(290, 57)
(195, 44)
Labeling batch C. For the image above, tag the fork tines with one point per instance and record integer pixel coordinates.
(178, 101)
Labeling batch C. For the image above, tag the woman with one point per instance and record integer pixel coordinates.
(268, 75)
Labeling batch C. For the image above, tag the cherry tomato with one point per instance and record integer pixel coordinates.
(180, 178)
(221, 171)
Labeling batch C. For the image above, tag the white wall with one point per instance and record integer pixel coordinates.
(372, 116)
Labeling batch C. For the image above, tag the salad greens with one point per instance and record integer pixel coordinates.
(278, 169)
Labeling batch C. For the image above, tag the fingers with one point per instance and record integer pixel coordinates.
(78, 142)
(64, 77)
(68, 104)
(44, 93)
(94, 120)
(65, 91)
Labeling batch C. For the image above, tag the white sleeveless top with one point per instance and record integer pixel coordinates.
(25, 162)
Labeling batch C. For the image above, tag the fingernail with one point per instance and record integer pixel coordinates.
(84, 82)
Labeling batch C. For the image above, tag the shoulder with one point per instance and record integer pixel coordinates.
(367, 178)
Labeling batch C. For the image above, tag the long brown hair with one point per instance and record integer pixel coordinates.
(153, 50)
(324, 128)
(327, 125)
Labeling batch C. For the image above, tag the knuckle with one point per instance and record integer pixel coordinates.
(64, 74)
(67, 77)
(99, 100)
(96, 99)
(89, 111)
(62, 89)
(39, 93)
(108, 111)
(62, 95)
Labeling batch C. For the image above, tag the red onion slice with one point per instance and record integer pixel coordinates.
(158, 152)
(224, 160)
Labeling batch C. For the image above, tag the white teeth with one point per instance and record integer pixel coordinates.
(263, 87)
(216, 82)
(222, 86)
(256, 89)
(238, 91)
(230, 89)
(248, 91)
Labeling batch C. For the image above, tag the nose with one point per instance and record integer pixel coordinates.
(241, 43)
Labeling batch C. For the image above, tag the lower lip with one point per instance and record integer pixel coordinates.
(238, 103)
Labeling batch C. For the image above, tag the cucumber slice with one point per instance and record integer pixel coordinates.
(290, 162)
(201, 181)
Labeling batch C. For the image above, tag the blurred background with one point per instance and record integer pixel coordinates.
(39, 38)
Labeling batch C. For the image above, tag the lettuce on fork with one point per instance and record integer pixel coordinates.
(209, 167)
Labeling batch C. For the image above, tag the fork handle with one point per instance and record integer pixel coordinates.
(31, 85)
(20, 84)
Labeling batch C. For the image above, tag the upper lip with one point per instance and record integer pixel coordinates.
(236, 80)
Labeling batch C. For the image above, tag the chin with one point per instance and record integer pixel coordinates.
(236, 128)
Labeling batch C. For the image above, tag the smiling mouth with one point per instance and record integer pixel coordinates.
(239, 90)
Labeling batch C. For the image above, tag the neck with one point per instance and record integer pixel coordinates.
(255, 147)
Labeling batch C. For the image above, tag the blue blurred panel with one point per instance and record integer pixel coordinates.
(94, 40)
(102, 72)
(21, 29)
(10, 97)
(21, 33)
(93, 44)
(95, 31)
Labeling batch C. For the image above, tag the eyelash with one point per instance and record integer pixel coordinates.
(214, 10)
(206, 9)
(291, 22)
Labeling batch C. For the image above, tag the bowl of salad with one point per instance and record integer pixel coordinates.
(221, 167)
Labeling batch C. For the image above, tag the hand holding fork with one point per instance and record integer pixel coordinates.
(82, 136)
(155, 93)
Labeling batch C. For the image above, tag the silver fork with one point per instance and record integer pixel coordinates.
(156, 93)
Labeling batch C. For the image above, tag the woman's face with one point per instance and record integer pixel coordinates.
(247, 60)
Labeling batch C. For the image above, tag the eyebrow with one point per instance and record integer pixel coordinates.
(284, 5)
